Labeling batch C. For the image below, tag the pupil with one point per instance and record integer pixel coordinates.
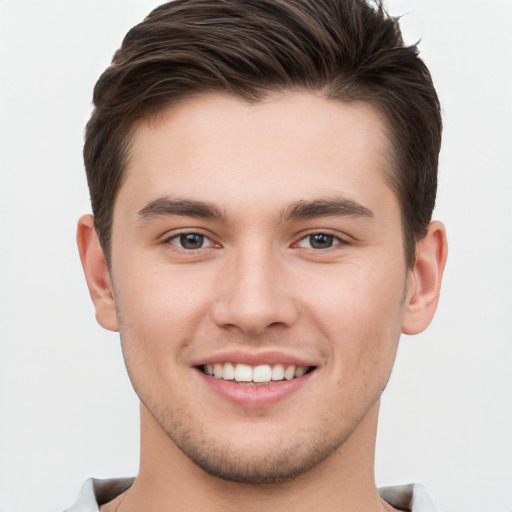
(192, 241)
(321, 241)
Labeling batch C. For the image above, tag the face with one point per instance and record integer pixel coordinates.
(259, 278)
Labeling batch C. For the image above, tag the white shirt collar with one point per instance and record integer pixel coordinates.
(95, 492)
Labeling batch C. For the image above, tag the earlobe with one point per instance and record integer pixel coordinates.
(424, 282)
(96, 273)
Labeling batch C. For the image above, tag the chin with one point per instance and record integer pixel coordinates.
(275, 466)
(257, 458)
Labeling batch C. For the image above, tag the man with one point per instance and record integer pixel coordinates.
(262, 178)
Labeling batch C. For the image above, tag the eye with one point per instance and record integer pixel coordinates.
(190, 241)
(319, 241)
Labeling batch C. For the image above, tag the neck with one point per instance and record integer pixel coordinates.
(168, 479)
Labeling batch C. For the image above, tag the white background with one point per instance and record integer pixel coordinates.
(67, 410)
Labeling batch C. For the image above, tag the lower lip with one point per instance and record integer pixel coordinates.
(254, 397)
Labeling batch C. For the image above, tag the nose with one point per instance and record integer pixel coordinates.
(253, 294)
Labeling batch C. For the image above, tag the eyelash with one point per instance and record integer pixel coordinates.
(181, 236)
(335, 240)
(181, 239)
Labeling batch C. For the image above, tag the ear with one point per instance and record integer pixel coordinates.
(424, 280)
(96, 273)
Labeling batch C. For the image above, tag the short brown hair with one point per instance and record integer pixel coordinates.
(345, 49)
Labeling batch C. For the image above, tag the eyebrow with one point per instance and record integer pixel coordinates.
(164, 206)
(335, 207)
(299, 210)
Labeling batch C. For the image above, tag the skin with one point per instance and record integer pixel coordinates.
(256, 287)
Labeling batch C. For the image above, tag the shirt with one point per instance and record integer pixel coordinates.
(410, 497)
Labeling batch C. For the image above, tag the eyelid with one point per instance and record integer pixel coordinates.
(169, 238)
(339, 239)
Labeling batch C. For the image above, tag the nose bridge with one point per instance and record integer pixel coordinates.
(252, 291)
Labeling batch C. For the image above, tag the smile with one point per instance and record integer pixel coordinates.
(261, 374)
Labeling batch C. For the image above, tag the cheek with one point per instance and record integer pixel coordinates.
(158, 319)
(159, 312)
(357, 292)
(360, 311)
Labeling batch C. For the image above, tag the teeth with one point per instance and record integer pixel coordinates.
(218, 370)
(243, 373)
(289, 373)
(300, 371)
(229, 371)
(261, 373)
(278, 372)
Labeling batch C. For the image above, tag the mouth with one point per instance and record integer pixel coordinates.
(260, 375)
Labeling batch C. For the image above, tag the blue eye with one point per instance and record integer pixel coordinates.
(190, 241)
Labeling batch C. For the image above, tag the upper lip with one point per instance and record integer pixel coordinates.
(254, 358)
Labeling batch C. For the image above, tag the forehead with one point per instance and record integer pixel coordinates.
(288, 147)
